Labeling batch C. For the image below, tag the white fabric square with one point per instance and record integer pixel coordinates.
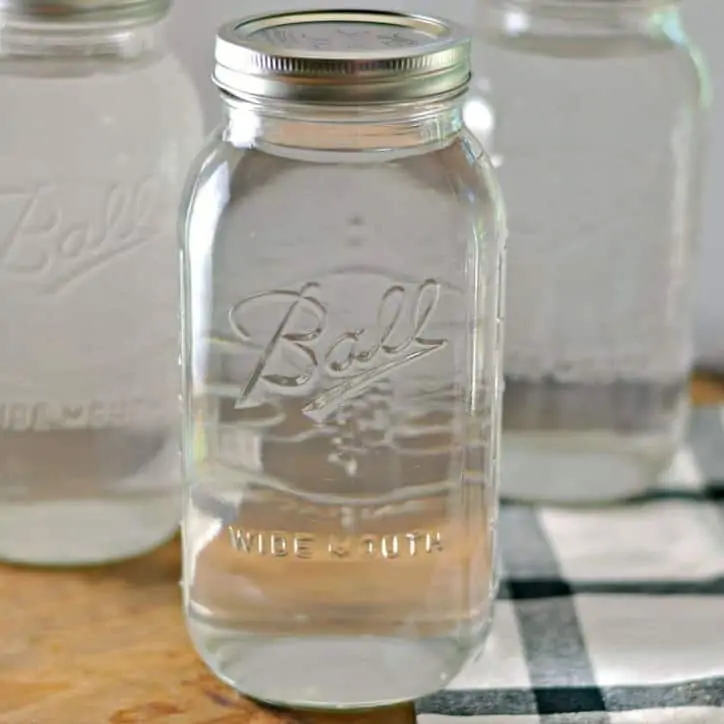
(664, 540)
(443, 719)
(649, 640)
(693, 715)
(502, 664)
(684, 472)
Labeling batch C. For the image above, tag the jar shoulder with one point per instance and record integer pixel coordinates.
(154, 88)
(429, 214)
(80, 120)
(664, 63)
(458, 174)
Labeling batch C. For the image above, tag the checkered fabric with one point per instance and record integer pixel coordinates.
(610, 616)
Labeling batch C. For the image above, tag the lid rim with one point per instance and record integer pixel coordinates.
(430, 47)
(227, 33)
(64, 12)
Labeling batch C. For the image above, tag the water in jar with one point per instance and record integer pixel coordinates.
(598, 130)
(338, 530)
(98, 126)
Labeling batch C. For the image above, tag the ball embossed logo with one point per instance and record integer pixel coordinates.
(331, 357)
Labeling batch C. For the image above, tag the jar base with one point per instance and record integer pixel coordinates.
(327, 672)
(580, 468)
(86, 532)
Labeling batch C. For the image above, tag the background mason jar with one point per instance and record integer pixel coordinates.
(342, 300)
(99, 123)
(598, 112)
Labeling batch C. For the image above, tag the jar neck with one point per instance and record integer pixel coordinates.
(518, 17)
(300, 129)
(109, 40)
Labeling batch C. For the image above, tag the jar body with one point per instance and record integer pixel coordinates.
(599, 127)
(341, 362)
(91, 178)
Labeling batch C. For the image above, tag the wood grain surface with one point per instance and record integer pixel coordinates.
(108, 646)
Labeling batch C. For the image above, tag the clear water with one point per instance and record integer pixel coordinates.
(88, 529)
(588, 444)
(300, 593)
(92, 158)
(596, 133)
(330, 672)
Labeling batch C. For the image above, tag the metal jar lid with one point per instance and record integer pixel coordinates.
(341, 56)
(84, 11)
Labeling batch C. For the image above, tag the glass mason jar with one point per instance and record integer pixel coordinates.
(342, 254)
(598, 110)
(98, 122)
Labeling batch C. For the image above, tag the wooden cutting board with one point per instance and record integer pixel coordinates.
(108, 646)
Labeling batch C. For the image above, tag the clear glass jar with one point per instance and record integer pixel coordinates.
(99, 124)
(342, 257)
(599, 127)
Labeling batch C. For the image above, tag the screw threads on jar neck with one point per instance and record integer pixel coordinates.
(109, 38)
(522, 16)
(83, 12)
(396, 127)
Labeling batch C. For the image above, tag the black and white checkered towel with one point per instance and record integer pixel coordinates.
(610, 616)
